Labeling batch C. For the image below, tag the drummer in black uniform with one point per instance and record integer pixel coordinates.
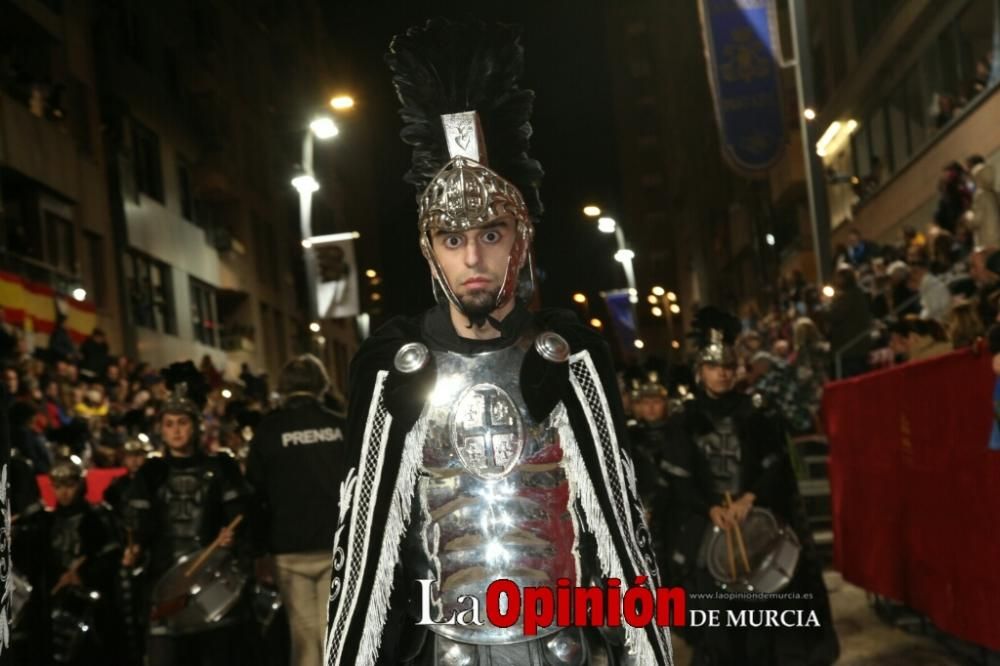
(179, 504)
(83, 555)
(723, 442)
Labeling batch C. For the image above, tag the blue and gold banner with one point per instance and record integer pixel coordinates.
(741, 43)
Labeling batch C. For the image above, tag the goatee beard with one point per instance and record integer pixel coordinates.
(478, 306)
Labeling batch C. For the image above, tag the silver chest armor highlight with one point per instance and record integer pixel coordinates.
(492, 497)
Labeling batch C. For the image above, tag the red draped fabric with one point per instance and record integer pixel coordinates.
(916, 492)
(98, 479)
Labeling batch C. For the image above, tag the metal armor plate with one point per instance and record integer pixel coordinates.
(184, 495)
(721, 447)
(492, 495)
(487, 431)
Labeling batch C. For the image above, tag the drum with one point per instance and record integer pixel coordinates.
(772, 551)
(187, 601)
(19, 597)
(73, 611)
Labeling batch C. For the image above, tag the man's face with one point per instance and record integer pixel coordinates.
(475, 263)
(176, 430)
(65, 492)
(716, 378)
(853, 240)
(651, 409)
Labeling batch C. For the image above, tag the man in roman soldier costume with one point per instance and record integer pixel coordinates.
(487, 441)
(736, 521)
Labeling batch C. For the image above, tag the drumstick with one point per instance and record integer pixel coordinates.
(74, 565)
(205, 554)
(739, 537)
(729, 554)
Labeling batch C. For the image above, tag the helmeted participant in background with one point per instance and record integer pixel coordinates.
(296, 464)
(83, 554)
(648, 437)
(134, 452)
(486, 441)
(722, 445)
(177, 505)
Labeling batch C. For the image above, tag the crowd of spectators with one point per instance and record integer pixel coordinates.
(935, 290)
(64, 400)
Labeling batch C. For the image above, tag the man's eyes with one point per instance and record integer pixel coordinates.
(491, 237)
(452, 241)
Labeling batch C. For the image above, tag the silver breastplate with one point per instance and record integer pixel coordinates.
(493, 497)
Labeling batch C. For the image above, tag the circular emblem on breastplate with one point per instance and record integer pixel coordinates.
(487, 432)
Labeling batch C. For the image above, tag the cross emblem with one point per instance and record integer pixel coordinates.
(487, 431)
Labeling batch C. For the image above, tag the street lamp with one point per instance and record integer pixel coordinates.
(342, 102)
(322, 128)
(658, 291)
(596, 323)
(579, 298)
(591, 211)
(607, 225)
(675, 309)
(314, 327)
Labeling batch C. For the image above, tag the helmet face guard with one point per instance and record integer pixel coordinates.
(464, 196)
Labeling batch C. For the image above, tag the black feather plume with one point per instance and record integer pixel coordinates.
(711, 318)
(448, 67)
(186, 373)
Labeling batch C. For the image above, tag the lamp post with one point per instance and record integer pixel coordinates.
(305, 183)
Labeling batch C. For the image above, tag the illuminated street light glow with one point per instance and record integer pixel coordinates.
(307, 244)
(227, 394)
(671, 296)
(579, 298)
(658, 291)
(371, 273)
(809, 114)
(675, 309)
(639, 344)
(657, 311)
(607, 225)
(321, 340)
(596, 323)
(324, 128)
(314, 327)
(769, 239)
(144, 438)
(834, 136)
(652, 300)
(828, 291)
(591, 211)
(80, 293)
(333, 238)
(342, 102)
(624, 255)
(305, 184)
(675, 344)
(376, 296)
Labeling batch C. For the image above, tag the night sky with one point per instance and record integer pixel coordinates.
(567, 67)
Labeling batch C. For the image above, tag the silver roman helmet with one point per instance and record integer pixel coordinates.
(714, 332)
(455, 102)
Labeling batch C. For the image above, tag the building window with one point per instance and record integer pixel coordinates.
(96, 272)
(204, 317)
(185, 190)
(146, 159)
(151, 292)
(60, 247)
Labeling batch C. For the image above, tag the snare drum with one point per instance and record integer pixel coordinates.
(772, 550)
